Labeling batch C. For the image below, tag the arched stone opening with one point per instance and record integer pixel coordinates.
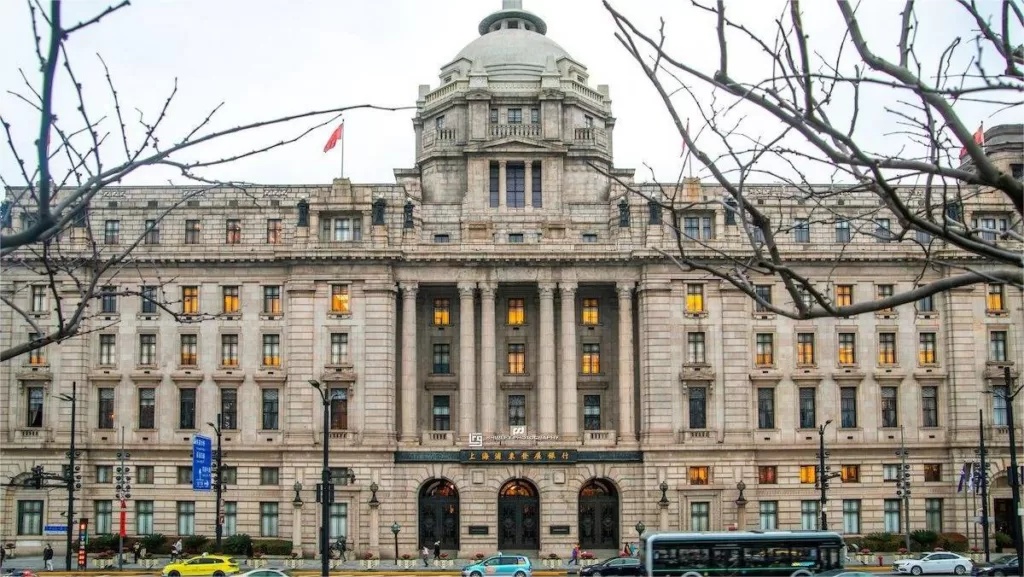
(599, 515)
(439, 514)
(518, 516)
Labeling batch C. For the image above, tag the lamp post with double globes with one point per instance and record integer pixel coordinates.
(327, 488)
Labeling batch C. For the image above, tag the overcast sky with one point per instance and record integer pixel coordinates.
(266, 58)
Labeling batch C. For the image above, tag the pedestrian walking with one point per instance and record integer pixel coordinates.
(48, 557)
(425, 553)
(136, 549)
(342, 546)
(3, 555)
(437, 550)
(574, 557)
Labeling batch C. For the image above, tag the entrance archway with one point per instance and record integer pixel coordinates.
(599, 515)
(439, 514)
(518, 516)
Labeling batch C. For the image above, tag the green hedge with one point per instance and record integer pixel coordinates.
(155, 544)
(955, 542)
(272, 546)
(237, 544)
(101, 543)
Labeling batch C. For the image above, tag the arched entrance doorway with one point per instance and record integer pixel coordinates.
(439, 514)
(518, 516)
(599, 515)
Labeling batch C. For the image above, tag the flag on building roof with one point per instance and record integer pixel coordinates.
(335, 136)
(979, 139)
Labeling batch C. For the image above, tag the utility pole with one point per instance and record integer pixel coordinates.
(823, 475)
(984, 483)
(71, 476)
(123, 492)
(218, 479)
(1014, 470)
(903, 486)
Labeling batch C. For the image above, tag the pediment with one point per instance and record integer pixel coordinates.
(514, 144)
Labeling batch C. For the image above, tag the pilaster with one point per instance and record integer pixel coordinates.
(488, 360)
(409, 396)
(627, 432)
(547, 398)
(467, 359)
(568, 396)
(379, 362)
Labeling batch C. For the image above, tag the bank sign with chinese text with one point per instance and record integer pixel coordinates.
(501, 457)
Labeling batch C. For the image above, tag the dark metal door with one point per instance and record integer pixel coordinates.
(518, 523)
(599, 522)
(439, 520)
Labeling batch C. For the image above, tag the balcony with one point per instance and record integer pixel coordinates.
(438, 438)
(442, 138)
(518, 129)
(599, 438)
(590, 136)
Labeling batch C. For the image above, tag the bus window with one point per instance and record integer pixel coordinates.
(725, 558)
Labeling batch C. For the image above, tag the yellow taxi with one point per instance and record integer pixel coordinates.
(216, 565)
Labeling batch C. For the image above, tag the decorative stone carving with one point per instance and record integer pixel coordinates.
(409, 206)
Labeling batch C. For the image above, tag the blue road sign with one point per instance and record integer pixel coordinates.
(202, 462)
(55, 529)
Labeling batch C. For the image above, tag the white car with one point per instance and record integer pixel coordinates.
(934, 563)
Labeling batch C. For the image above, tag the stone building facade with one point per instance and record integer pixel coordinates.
(511, 363)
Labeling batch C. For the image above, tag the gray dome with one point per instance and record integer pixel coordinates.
(507, 50)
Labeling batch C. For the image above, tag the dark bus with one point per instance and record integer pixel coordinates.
(748, 553)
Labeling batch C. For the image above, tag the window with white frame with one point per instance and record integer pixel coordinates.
(143, 517)
(933, 514)
(339, 348)
(268, 519)
(809, 515)
(997, 346)
(700, 516)
(769, 515)
(101, 517)
(30, 517)
(186, 511)
(851, 516)
(347, 228)
(695, 349)
(108, 350)
(892, 519)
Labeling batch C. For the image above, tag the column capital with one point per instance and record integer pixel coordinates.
(467, 289)
(502, 162)
(546, 289)
(567, 288)
(488, 289)
(409, 288)
(625, 288)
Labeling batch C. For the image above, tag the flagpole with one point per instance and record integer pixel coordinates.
(342, 149)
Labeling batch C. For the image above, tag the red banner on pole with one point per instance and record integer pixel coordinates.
(124, 517)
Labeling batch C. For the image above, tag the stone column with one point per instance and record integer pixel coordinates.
(297, 529)
(663, 518)
(568, 401)
(375, 529)
(626, 429)
(546, 398)
(528, 184)
(467, 360)
(488, 360)
(501, 183)
(409, 396)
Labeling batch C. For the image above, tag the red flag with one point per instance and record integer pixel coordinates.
(979, 139)
(335, 136)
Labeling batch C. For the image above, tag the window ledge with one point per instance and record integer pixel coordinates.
(233, 316)
(997, 313)
(696, 314)
(886, 314)
(764, 315)
(271, 317)
(928, 315)
(338, 315)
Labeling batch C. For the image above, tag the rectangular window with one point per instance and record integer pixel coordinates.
(801, 230)
(695, 350)
(105, 408)
(997, 346)
(844, 295)
(143, 517)
(996, 297)
(851, 516)
(765, 408)
(189, 350)
(892, 520)
(890, 473)
(191, 237)
(36, 397)
(589, 237)
(184, 475)
(270, 476)
(268, 519)
(270, 409)
(515, 115)
(808, 412)
(808, 515)
(515, 238)
(769, 515)
(933, 515)
(699, 475)
(347, 229)
(442, 238)
(148, 302)
(883, 230)
(104, 474)
(999, 395)
(929, 406)
(101, 515)
(516, 312)
(517, 410)
(495, 176)
(843, 231)
(882, 292)
(272, 350)
(694, 298)
(229, 476)
(848, 407)
(339, 520)
(233, 232)
(190, 300)
(230, 518)
(187, 409)
(765, 350)
(272, 300)
(592, 412)
(340, 302)
(38, 303)
(700, 516)
(442, 359)
(147, 409)
(230, 298)
(808, 474)
(768, 475)
(274, 235)
(229, 409)
(442, 312)
(517, 359)
(698, 407)
(926, 304)
(442, 412)
(805, 348)
(112, 232)
(36, 356)
(515, 184)
(229, 350)
(850, 473)
(186, 517)
(590, 360)
(763, 292)
(144, 474)
(926, 349)
(886, 348)
(30, 517)
(933, 473)
(108, 300)
(339, 348)
(537, 196)
(108, 350)
(847, 349)
(152, 233)
(889, 407)
(591, 314)
(535, 116)
(698, 228)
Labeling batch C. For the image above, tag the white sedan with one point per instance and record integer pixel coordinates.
(935, 563)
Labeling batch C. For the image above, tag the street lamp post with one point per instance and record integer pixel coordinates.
(664, 497)
(395, 528)
(1014, 475)
(327, 488)
(219, 530)
(72, 474)
(983, 453)
(903, 486)
(823, 475)
(122, 492)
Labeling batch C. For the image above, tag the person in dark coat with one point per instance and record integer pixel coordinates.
(437, 550)
(248, 550)
(48, 557)
(136, 549)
